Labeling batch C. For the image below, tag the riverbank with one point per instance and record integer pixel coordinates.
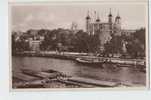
(73, 56)
(68, 55)
(52, 54)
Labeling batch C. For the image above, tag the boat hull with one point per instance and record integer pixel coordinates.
(88, 63)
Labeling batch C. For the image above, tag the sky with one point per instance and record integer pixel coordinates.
(61, 15)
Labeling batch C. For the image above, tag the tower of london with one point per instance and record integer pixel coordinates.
(104, 29)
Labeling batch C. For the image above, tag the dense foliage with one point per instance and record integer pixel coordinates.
(135, 44)
(67, 40)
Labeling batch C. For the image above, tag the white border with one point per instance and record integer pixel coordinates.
(4, 75)
(79, 89)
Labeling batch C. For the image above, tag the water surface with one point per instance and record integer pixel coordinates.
(123, 75)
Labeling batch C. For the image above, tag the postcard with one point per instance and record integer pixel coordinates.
(79, 45)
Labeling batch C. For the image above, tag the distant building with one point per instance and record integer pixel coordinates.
(105, 29)
(127, 32)
(74, 27)
(34, 45)
(34, 42)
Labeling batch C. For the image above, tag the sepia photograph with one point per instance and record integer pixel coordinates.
(70, 45)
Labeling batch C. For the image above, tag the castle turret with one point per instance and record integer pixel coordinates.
(117, 25)
(98, 18)
(110, 17)
(118, 21)
(88, 21)
(110, 22)
(97, 26)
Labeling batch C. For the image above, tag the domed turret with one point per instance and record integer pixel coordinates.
(117, 25)
(88, 21)
(118, 18)
(110, 17)
(88, 16)
(98, 18)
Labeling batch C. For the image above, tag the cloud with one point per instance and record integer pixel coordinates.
(56, 16)
(40, 20)
(45, 17)
(29, 18)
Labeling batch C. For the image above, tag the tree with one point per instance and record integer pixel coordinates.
(136, 46)
(81, 41)
(94, 43)
(113, 46)
(19, 45)
(50, 41)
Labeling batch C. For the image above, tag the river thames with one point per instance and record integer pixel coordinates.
(124, 75)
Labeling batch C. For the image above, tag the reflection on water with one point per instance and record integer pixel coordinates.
(106, 72)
